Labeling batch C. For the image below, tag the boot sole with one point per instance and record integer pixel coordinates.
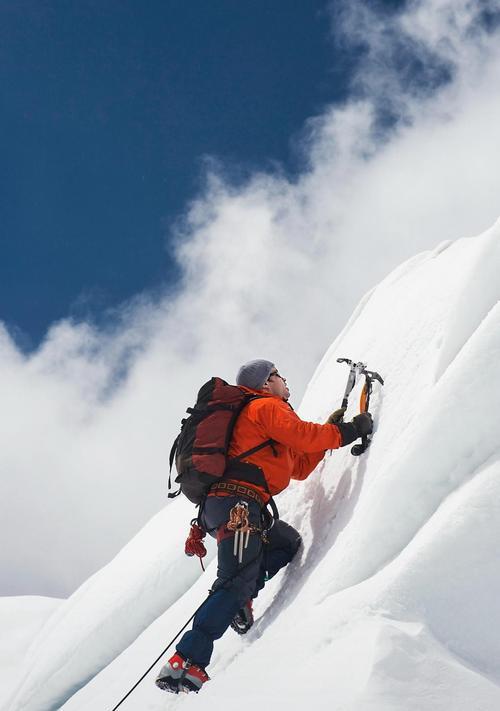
(177, 686)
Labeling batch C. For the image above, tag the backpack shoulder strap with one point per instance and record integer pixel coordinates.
(171, 463)
(258, 447)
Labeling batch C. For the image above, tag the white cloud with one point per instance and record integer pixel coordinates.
(271, 269)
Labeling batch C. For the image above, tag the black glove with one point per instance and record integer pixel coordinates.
(361, 425)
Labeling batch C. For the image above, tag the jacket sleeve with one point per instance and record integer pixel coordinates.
(304, 464)
(281, 423)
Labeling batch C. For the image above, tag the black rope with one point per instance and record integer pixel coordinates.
(228, 580)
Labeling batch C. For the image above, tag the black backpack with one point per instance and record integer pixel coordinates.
(200, 450)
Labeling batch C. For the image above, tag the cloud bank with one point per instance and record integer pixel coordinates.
(271, 268)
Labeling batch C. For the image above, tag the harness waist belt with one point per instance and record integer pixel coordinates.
(237, 490)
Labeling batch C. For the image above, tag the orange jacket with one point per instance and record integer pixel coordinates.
(300, 445)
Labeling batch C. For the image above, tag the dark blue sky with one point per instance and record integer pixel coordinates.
(108, 106)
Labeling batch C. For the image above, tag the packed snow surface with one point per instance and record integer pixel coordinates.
(393, 603)
(21, 619)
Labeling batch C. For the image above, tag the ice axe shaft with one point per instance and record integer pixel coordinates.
(354, 370)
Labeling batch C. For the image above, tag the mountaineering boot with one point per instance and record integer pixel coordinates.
(180, 674)
(243, 619)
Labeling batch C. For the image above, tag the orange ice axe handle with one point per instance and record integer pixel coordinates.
(364, 404)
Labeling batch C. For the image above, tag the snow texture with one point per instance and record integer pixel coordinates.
(21, 619)
(394, 600)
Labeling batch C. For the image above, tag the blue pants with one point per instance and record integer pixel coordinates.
(236, 582)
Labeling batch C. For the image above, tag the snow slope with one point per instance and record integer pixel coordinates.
(21, 619)
(110, 609)
(394, 601)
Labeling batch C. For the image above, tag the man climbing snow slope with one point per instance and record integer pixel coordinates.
(277, 446)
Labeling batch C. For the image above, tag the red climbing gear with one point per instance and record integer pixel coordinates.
(239, 523)
(194, 542)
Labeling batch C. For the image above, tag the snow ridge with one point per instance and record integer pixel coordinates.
(393, 600)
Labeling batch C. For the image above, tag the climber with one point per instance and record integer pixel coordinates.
(295, 449)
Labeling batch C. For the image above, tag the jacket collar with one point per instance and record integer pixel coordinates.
(260, 393)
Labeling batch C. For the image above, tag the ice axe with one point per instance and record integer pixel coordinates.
(356, 369)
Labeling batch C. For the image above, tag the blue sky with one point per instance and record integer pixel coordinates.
(108, 110)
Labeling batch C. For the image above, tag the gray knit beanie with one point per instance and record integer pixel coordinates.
(254, 373)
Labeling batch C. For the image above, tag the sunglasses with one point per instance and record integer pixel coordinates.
(275, 372)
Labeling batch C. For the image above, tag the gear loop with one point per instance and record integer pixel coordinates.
(239, 523)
